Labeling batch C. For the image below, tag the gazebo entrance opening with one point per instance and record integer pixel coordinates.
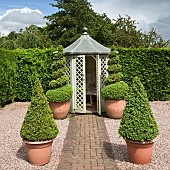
(91, 98)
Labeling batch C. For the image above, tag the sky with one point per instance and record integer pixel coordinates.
(17, 14)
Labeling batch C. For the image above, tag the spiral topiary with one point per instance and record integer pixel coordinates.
(114, 87)
(60, 89)
(38, 124)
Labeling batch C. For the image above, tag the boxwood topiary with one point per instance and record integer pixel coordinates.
(60, 94)
(138, 122)
(115, 88)
(38, 124)
(60, 90)
(115, 91)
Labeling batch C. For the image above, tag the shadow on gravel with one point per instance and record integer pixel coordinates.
(108, 150)
(116, 151)
(21, 153)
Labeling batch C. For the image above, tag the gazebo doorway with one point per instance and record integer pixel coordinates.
(91, 91)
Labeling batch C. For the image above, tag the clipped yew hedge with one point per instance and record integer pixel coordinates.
(32, 63)
(18, 69)
(152, 66)
(7, 76)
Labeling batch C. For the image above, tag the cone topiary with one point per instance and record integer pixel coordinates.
(138, 122)
(38, 124)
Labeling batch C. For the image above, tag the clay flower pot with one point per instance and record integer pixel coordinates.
(114, 108)
(38, 152)
(139, 152)
(60, 109)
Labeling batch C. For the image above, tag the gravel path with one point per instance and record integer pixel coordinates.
(13, 156)
(161, 150)
(12, 152)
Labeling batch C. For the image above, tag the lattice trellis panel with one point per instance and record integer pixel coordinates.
(79, 85)
(68, 63)
(104, 67)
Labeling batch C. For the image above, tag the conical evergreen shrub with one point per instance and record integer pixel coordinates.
(38, 124)
(138, 122)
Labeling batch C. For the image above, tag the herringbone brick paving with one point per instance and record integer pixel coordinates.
(87, 145)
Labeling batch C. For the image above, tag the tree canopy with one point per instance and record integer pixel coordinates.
(65, 26)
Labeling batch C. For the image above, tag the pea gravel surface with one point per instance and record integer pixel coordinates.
(161, 147)
(13, 155)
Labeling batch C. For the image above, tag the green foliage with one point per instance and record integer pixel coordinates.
(60, 94)
(38, 124)
(18, 69)
(152, 66)
(138, 122)
(59, 72)
(7, 76)
(9, 44)
(58, 86)
(114, 88)
(31, 37)
(115, 91)
(113, 78)
(126, 34)
(61, 81)
(66, 25)
(114, 68)
(30, 64)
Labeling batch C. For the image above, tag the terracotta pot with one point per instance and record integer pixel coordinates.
(139, 152)
(60, 109)
(114, 108)
(38, 152)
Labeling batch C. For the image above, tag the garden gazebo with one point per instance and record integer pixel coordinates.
(87, 69)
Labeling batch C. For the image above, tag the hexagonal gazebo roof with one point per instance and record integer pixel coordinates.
(86, 45)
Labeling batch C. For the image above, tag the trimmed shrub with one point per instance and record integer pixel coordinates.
(38, 124)
(138, 122)
(115, 91)
(60, 94)
(60, 90)
(115, 88)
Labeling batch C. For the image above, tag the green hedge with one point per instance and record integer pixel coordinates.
(18, 69)
(32, 63)
(152, 66)
(7, 76)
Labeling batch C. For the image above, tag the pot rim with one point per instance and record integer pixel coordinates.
(37, 142)
(139, 142)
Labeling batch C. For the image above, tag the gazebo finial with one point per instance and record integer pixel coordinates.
(85, 31)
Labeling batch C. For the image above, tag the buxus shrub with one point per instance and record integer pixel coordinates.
(138, 121)
(38, 124)
(60, 89)
(115, 88)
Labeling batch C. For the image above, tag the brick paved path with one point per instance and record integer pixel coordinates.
(87, 145)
